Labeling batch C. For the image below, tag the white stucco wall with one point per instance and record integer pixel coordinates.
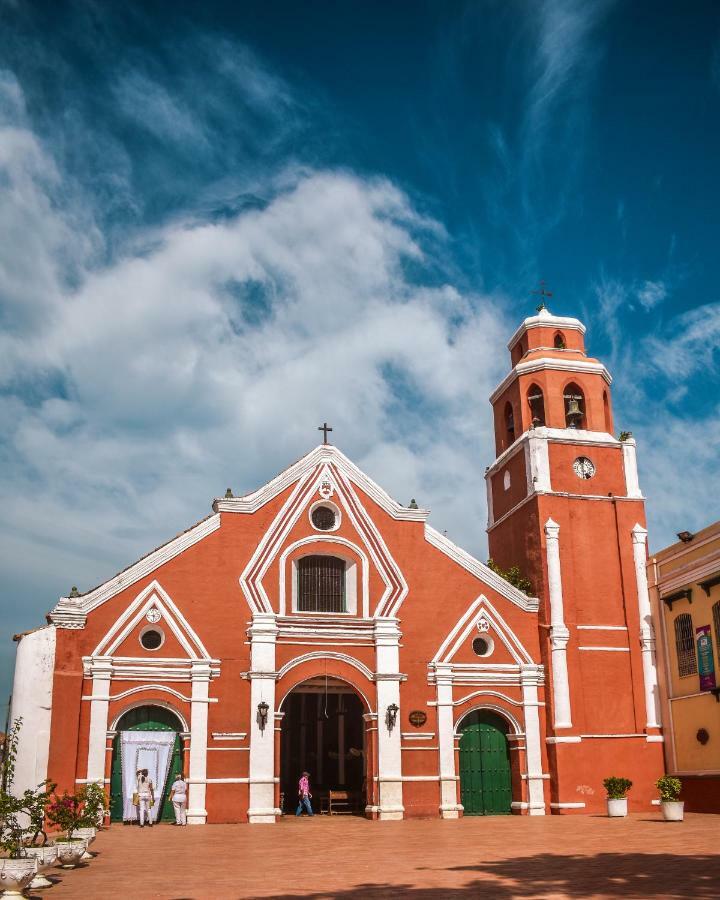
(32, 699)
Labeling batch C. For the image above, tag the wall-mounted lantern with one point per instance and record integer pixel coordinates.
(263, 710)
(391, 715)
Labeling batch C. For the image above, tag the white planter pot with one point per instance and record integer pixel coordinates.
(16, 875)
(617, 807)
(673, 810)
(69, 853)
(46, 858)
(87, 835)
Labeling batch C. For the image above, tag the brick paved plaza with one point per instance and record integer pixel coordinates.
(498, 857)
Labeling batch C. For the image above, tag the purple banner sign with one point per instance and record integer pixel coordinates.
(706, 663)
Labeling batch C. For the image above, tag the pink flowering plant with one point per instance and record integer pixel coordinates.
(68, 812)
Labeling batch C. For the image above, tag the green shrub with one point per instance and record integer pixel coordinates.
(513, 576)
(617, 788)
(669, 788)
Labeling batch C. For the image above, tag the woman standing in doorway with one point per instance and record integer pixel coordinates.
(146, 797)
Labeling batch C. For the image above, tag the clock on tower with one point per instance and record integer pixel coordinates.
(564, 504)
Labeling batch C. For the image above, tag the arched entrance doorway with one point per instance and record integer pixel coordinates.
(323, 732)
(485, 785)
(146, 718)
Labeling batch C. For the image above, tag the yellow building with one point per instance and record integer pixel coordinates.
(684, 581)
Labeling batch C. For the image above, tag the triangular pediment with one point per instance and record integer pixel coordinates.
(325, 482)
(152, 607)
(481, 619)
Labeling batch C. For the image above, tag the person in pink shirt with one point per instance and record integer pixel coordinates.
(304, 795)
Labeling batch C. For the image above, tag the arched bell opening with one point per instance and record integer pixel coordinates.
(509, 424)
(324, 732)
(536, 402)
(575, 416)
(146, 737)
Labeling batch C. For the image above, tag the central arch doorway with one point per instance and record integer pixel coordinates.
(146, 718)
(323, 732)
(485, 783)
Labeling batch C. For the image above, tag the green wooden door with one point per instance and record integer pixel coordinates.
(485, 788)
(146, 718)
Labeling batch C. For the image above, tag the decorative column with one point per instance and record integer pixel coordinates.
(185, 738)
(536, 792)
(279, 716)
(197, 774)
(632, 483)
(559, 634)
(647, 633)
(387, 677)
(109, 741)
(101, 670)
(449, 806)
(371, 791)
(263, 636)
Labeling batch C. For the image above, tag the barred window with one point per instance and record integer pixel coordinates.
(716, 622)
(685, 645)
(321, 584)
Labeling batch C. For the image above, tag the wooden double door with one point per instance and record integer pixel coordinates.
(485, 784)
(146, 718)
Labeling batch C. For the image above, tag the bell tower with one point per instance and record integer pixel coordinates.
(565, 506)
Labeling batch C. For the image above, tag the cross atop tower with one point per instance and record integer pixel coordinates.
(324, 428)
(542, 292)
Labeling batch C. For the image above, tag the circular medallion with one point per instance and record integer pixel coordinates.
(584, 467)
(417, 718)
(153, 615)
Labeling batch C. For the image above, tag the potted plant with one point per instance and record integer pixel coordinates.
(617, 789)
(17, 869)
(673, 809)
(67, 814)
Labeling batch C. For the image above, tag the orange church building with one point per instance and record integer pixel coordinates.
(317, 624)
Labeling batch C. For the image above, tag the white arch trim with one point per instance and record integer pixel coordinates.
(140, 703)
(146, 687)
(326, 654)
(496, 694)
(330, 539)
(492, 707)
(352, 687)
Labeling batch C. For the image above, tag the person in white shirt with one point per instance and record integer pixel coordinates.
(146, 797)
(178, 795)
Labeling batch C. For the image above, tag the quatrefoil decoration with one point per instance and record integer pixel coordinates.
(153, 615)
(483, 625)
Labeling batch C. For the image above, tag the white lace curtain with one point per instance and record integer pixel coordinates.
(151, 750)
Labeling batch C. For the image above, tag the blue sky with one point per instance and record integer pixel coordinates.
(224, 223)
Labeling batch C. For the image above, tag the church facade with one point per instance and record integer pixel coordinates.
(317, 624)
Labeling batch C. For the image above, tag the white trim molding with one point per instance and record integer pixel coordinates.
(647, 632)
(545, 319)
(546, 363)
(559, 634)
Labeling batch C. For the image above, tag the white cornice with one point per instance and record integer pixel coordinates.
(550, 363)
(546, 319)
(555, 436)
(324, 453)
(73, 610)
(480, 571)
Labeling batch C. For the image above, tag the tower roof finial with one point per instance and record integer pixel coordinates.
(542, 292)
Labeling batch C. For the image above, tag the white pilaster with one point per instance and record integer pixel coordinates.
(387, 654)
(647, 633)
(449, 806)
(538, 462)
(533, 753)
(488, 488)
(101, 675)
(263, 637)
(632, 483)
(197, 776)
(559, 634)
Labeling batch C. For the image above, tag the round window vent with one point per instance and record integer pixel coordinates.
(323, 518)
(151, 638)
(483, 646)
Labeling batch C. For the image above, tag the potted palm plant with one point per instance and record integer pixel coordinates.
(17, 869)
(617, 790)
(673, 809)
